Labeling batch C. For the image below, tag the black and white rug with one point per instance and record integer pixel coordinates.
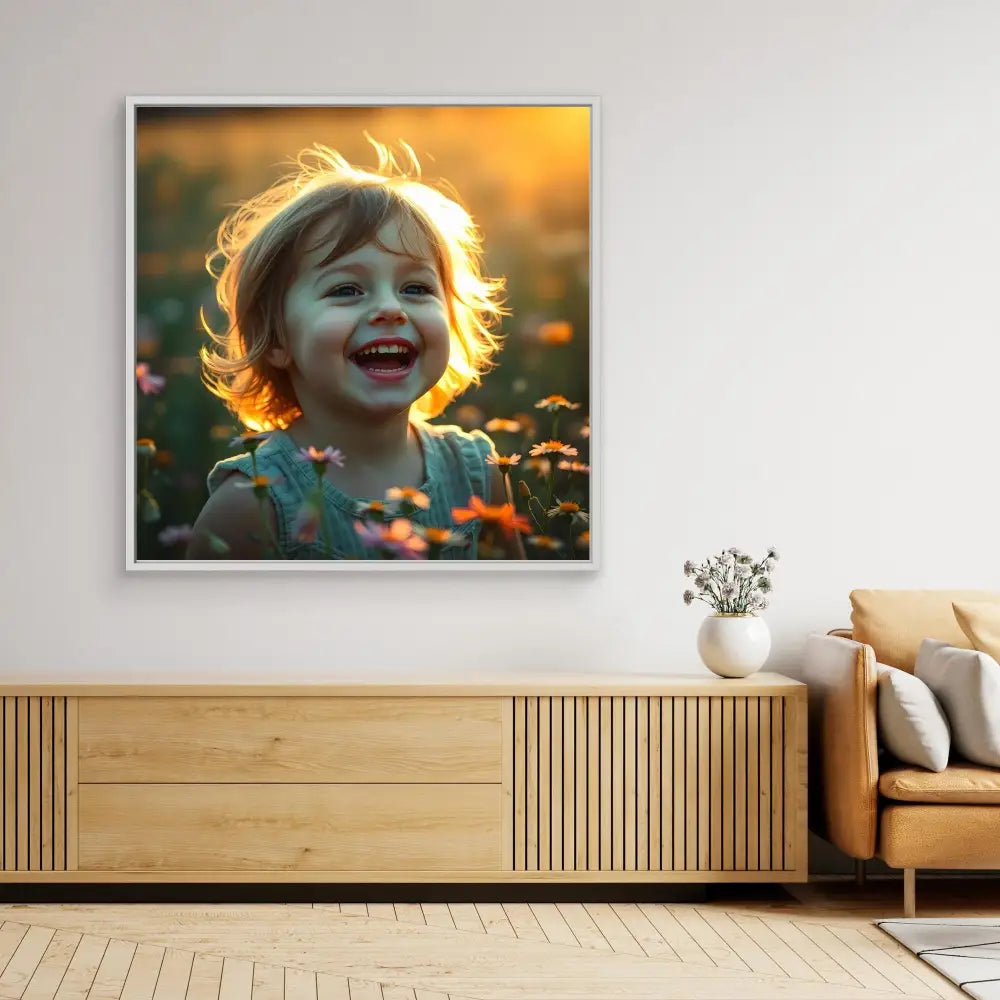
(966, 950)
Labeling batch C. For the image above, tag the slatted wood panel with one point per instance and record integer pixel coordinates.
(693, 784)
(37, 814)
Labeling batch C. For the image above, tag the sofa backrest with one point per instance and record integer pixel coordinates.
(895, 622)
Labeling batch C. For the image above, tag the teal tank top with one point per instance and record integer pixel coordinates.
(455, 469)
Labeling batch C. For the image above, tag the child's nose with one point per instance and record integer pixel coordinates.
(389, 315)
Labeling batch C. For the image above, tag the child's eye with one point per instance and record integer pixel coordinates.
(418, 288)
(344, 291)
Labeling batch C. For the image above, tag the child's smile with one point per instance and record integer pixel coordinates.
(368, 332)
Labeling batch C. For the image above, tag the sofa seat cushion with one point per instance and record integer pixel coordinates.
(959, 783)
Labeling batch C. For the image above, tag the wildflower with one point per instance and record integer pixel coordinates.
(175, 534)
(307, 522)
(256, 482)
(556, 332)
(554, 403)
(375, 509)
(502, 515)
(528, 423)
(688, 596)
(500, 424)
(149, 384)
(442, 536)
(729, 591)
(544, 542)
(702, 580)
(566, 508)
(772, 553)
(583, 540)
(251, 442)
(568, 466)
(689, 568)
(541, 466)
(503, 462)
(553, 448)
(764, 585)
(585, 429)
(743, 570)
(145, 447)
(328, 456)
(769, 565)
(410, 495)
(396, 538)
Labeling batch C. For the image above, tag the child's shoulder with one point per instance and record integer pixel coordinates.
(458, 457)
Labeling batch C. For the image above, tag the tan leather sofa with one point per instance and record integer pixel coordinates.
(864, 802)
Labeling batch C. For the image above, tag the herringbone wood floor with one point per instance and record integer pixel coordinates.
(817, 943)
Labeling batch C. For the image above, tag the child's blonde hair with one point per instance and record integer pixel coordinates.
(264, 239)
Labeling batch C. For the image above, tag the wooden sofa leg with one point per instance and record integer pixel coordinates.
(909, 892)
(860, 872)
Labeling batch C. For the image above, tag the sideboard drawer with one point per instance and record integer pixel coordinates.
(275, 739)
(295, 827)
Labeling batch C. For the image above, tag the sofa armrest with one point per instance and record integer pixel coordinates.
(843, 751)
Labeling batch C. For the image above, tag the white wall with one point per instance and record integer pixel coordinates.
(799, 296)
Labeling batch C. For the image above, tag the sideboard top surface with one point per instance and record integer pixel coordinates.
(514, 685)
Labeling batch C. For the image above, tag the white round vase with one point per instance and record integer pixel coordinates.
(733, 645)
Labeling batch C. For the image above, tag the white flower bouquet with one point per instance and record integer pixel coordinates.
(731, 582)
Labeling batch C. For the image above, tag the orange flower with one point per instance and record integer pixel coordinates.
(544, 542)
(145, 447)
(553, 403)
(528, 423)
(502, 515)
(557, 332)
(573, 467)
(503, 462)
(541, 466)
(583, 540)
(410, 494)
(441, 536)
(553, 448)
(500, 424)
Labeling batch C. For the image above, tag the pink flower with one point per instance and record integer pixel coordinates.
(328, 456)
(396, 538)
(175, 534)
(149, 384)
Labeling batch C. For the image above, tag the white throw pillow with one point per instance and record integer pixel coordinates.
(967, 683)
(911, 723)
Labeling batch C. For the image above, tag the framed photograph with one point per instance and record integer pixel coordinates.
(361, 333)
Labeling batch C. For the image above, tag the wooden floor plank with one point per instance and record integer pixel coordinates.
(555, 928)
(175, 974)
(867, 976)
(437, 915)
(332, 987)
(144, 970)
(206, 979)
(381, 911)
(740, 942)
(645, 934)
(355, 909)
(495, 919)
(927, 974)
(48, 976)
(11, 934)
(670, 929)
(466, 918)
(110, 979)
(617, 934)
(24, 961)
(791, 964)
(523, 921)
(883, 963)
(398, 993)
(583, 926)
(717, 948)
(365, 989)
(810, 952)
(236, 982)
(409, 913)
(268, 981)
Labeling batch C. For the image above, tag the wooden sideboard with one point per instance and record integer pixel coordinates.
(571, 778)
